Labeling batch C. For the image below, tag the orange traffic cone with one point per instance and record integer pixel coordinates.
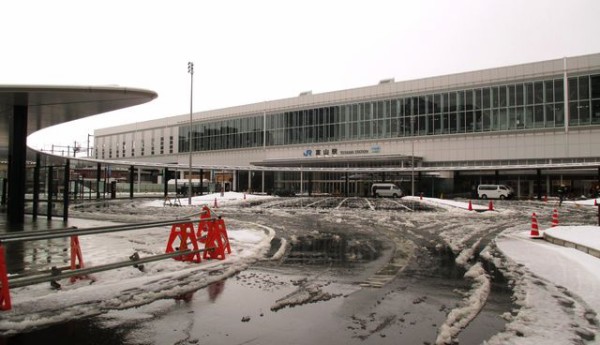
(470, 208)
(595, 202)
(491, 206)
(535, 233)
(554, 218)
(545, 197)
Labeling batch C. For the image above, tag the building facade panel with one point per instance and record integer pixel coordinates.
(536, 112)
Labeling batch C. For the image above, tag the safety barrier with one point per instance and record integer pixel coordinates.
(185, 243)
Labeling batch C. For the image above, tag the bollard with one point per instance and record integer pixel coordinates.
(535, 233)
(76, 257)
(4, 289)
(555, 218)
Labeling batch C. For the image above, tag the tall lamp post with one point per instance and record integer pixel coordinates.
(412, 156)
(89, 149)
(191, 72)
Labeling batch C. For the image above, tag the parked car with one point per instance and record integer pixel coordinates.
(386, 190)
(494, 191)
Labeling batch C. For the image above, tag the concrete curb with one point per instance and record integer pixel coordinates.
(568, 244)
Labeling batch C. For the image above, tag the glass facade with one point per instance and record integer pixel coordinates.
(528, 105)
(516, 106)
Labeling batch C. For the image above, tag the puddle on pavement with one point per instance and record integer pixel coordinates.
(437, 268)
(75, 332)
(338, 250)
(385, 204)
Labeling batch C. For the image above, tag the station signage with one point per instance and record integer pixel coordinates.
(333, 152)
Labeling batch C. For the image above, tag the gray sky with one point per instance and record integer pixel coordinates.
(253, 51)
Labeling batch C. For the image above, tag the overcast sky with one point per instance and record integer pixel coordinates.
(253, 51)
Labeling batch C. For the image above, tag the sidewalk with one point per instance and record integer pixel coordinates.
(583, 238)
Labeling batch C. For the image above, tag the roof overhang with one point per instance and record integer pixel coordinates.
(49, 105)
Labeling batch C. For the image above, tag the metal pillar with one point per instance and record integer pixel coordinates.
(249, 181)
(539, 184)
(346, 185)
(201, 180)
(497, 176)
(139, 180)
(165, 181)
(310, 176)
(17, 150)
(67, 175)
(131, 178)
(50, 192)
(36, 185)
(4, 185)
(98, 173)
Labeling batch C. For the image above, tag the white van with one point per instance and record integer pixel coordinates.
(386, 189)
(494, 191)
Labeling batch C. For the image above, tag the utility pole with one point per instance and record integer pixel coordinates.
(191, 72)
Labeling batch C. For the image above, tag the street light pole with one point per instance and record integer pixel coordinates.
(412, 156)
(191, 72)
(89, 149)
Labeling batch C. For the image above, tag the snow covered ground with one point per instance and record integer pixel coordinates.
(37, 306)
(556, 288)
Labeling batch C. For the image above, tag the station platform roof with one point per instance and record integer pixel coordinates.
(49, 105)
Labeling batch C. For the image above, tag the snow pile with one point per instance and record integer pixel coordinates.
(460, 317)
(588, 236)
(551, 297)
(588, 202)
(228, 198)
(447, 204)
(37, 306)
(306, 293)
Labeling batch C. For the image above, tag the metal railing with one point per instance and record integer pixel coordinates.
(55, 273)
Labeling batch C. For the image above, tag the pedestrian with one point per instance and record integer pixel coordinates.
(561, 194)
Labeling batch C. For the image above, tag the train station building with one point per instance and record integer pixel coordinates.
(532, 126)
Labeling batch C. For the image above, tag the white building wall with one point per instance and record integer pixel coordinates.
(536, 144)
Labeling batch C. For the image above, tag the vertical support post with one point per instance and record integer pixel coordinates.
(131, 178)
(201, 180)
(67, 175)
(497, 177)
(165, 181)
(4, 186)
(49, 195)
(566, 95)
(236, 177)
(539, 184)
(139, 179)
(346, 185)
(249, 181)
(36, 186)
(301, 181)
(98, 173)
(310, 176)
(17, 150)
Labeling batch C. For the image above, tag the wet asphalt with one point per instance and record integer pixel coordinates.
(376, 271)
